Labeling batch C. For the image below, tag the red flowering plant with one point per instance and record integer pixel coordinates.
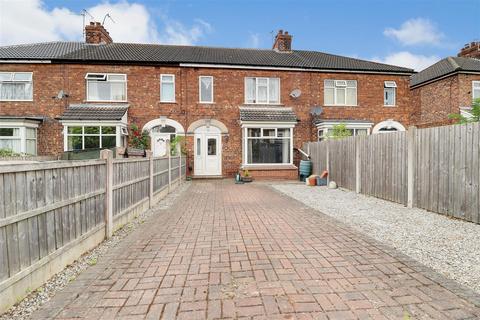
(138, 139)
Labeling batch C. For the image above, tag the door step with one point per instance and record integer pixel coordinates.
(207, 177)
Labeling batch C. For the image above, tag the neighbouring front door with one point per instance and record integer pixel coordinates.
(208, 151)
(159, 144)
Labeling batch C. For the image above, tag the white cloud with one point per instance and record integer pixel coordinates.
(26, 21)
(407, 59)
(253, 40)
(417, 31)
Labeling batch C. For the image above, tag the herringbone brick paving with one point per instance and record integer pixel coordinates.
(227, 251)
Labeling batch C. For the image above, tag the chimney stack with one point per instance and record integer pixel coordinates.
(470, 50)
(283, 42)
(95, 33)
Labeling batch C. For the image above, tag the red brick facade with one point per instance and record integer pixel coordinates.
(143, 95)
(436, 100)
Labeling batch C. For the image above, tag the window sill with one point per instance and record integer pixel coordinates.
(173, 102)
(341, 105)
(264, 104)
(208, 103)
(271, 167)
(105, 101)
(390, 106)
(16, 100)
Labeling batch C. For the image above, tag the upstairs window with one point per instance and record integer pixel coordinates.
(16, 86)
(262, 90)
(476, 89)
(206, 89)
(106, 87)
(389, 93)
(167, 88)
(340, 92)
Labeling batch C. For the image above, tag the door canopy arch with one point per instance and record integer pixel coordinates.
(388, 125)
(207, 123)
(163, 122)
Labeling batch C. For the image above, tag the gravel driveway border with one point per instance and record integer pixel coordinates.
(420, 265)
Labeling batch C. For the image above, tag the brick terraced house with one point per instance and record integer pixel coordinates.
(239, 108)
(447, 87)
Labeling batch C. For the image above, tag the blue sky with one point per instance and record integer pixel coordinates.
(411, 33)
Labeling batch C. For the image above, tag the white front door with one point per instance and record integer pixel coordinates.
(208, 152)
(159, 144)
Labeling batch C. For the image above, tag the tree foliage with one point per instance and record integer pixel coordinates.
(475, 111)
(339, 131)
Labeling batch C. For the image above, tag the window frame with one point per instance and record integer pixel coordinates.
(120, 129)
(268, 91)
(161, 84)
(22, 127)
(475, 82)
(106, 74)
(390, 85)
(335, 88)
(263, 126)
(355, 126)
(17, 81)
(200, 90)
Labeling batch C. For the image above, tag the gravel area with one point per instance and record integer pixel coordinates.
(34, 300)
(450, 247)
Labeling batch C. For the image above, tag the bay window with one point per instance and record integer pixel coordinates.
(475, 90)
(19, 138)
(262, 90)
(205, 89)
(389, 93)
(340, 92)
(167, 88)
(106, 87)
(80, 137)
(268, 145)
(16, 86)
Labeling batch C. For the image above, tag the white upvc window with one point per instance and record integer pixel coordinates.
(106, 87)
(389, 93)
(205, 89)
(475, 89)
(167, 88)
(20, 139)
(262, 90)
(91, 136)
(356, 128)
(340, 92)
(268, 145)
(16, 86)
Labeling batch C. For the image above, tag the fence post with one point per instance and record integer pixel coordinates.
(169, 152)
(411, 134)
(150, 179)
(358, 165)
(180, 163)
(327, 164)
(108, 156)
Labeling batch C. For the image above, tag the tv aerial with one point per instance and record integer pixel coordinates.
(109, 17)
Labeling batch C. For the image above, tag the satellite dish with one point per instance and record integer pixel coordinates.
(316, 111)
(296, 93)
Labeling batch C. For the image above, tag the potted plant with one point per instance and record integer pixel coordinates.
(138, 141)
(246, 176)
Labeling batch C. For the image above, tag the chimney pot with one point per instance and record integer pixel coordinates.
(283, 42)
(95, 33)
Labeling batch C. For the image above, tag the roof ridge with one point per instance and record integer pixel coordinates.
(453, 63)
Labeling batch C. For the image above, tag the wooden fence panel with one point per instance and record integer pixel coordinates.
(40, 207)
(160, 173)
(341, 162)
(130, 183)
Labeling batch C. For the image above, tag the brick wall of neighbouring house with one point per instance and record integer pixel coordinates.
(143, 87)
(440, 98)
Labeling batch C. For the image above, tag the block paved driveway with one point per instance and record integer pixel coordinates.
(226, 251)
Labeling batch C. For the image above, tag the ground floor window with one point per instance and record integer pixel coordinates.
(82, 137)
(356, 128)
(18, 139)
(268, 145)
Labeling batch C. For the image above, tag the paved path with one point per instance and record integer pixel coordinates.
(235, 251)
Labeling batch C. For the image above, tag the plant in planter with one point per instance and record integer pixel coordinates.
(178, 141)
(139, 139)
(246, 176)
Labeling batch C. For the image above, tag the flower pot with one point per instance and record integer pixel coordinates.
(247, 179)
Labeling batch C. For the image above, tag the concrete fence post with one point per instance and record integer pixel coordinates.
(108, 214)
(150, 170)
(358, 165)
(411, 135)
(169, 152)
